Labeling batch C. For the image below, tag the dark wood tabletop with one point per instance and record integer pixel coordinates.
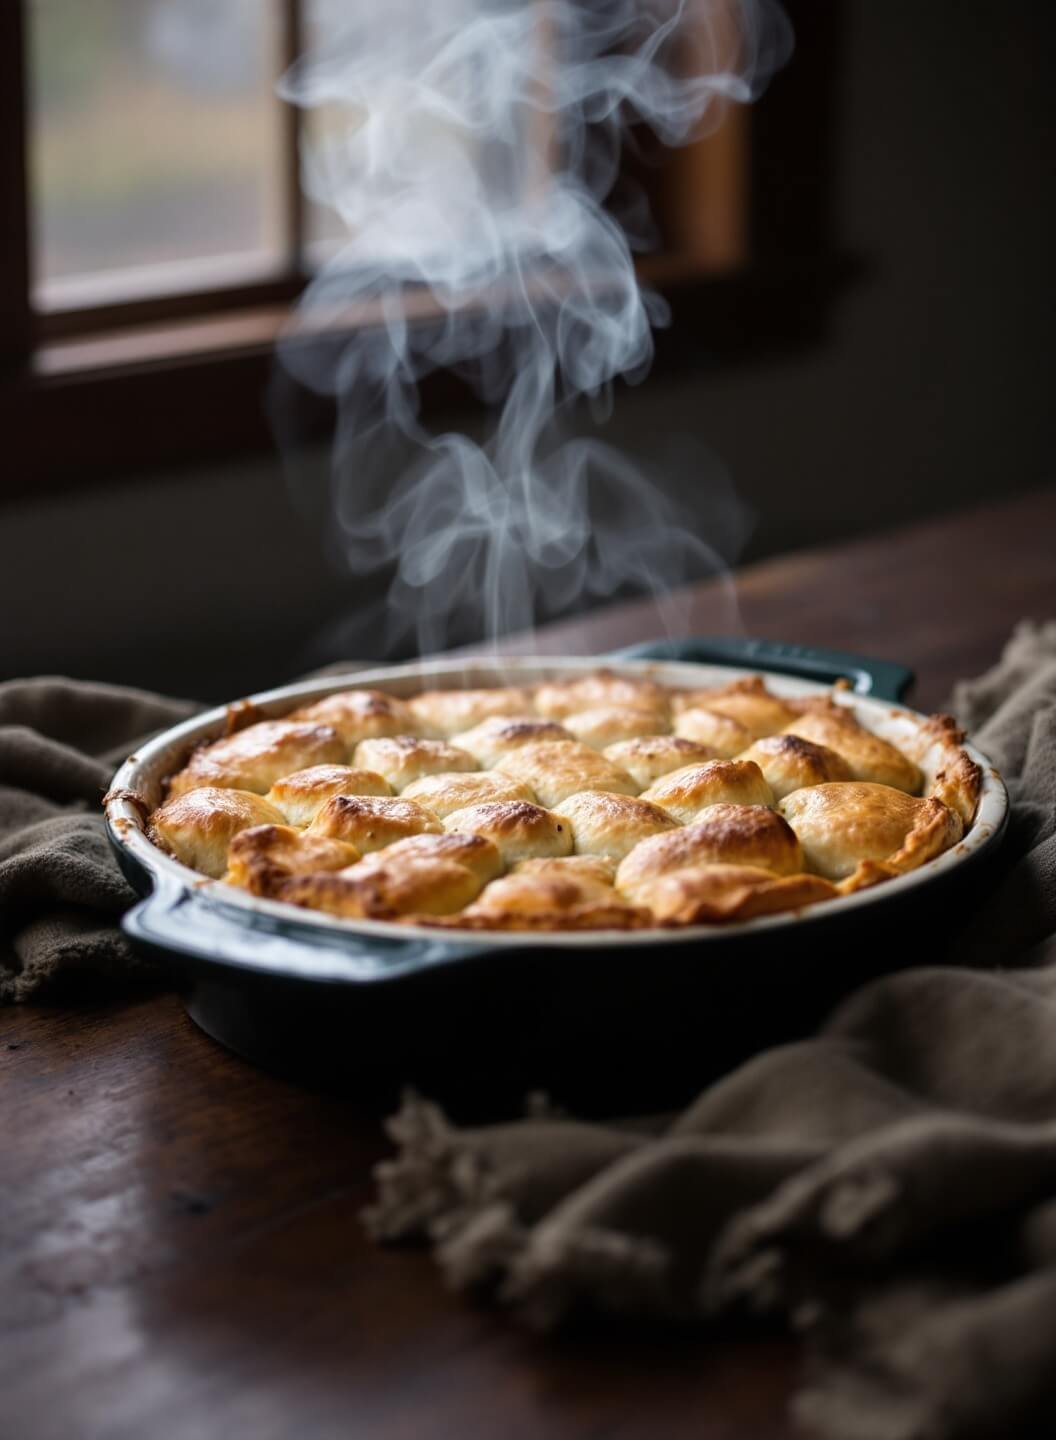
(180, 1254)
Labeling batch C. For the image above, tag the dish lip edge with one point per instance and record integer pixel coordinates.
(125, 823)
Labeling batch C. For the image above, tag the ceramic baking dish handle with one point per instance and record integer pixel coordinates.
(882, 679)
(206, 930)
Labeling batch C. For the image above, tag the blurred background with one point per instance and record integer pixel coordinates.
(859, 270)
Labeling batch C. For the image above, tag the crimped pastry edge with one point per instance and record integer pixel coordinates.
(962, 777)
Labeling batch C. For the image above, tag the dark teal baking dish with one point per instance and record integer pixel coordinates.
(305, 992)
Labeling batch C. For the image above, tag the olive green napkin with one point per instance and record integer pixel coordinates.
(887, 1188)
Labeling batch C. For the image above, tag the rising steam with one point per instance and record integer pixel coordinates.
(468, 148)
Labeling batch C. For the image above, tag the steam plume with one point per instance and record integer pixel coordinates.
(469, 148)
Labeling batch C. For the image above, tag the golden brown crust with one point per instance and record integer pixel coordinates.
(748, 702)
(958, 784)
(402, 759)
(198, 826)
(254, 758)
(725, 835)
(789, 762)
(261, 858)
(842, 825)
(442, 713)
(549, 901)
(684, 699)
(303, 794)
(592, 867)
(602, 688)
(721, 733)
(738, 749)
(521, 831)
(869, 757)
(606, 725)
(559, 768)
(648, 757)
(935, 730)
(444, 794)
(611, 825)
(476, 853)
(687, 794)
(958, 780)
(718, 894)
(495, 737)
(386, 891)
(371, 823)
(239, 714)
(358, 714)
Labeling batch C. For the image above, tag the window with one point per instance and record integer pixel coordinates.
(158, 234)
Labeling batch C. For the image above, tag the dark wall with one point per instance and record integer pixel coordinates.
(935, 388)
(931, 391)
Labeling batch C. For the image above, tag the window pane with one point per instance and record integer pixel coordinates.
(324, 230)
(156, 146)
(391, 33)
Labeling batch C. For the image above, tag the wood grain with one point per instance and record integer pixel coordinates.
(180, 1255)
(940, 596)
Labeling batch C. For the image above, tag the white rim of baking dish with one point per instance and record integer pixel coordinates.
(143, 773)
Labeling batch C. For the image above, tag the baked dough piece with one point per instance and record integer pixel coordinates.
(548, 901)
(618, 785)
(611, 825)
(303, 794)
(445, 712)
(602, 688)
(403, 758)
(789, 762)
(647, 758)
(958, 780)
(443, 794)
(198, 826)
(520, 830)
(359, 714)
(685, 794)
(868, 756)
(402, 889)
(559, 768)
(473, 851)
(606, 724)
(721, 733)
(725, 835)
(747, 701)
(489, 741)
(370, 823)
(958, 784)
(842, 825)
(590, 867)
(714, 894)
(261, 858)
(254, 758)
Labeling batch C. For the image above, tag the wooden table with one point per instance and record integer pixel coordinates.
(181, 1257)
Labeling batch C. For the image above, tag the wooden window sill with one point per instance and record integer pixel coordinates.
(96, 408)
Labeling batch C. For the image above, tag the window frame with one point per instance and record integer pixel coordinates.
(91, 395)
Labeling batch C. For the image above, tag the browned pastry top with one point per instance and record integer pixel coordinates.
(607, 801)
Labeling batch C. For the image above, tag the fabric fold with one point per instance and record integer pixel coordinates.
(61, 892)
(887, 1188)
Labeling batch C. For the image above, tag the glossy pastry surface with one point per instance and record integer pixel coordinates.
(604, 801)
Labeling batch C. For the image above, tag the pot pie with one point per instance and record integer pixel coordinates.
(603, 802)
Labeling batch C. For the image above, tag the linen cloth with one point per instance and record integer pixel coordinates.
(61, 893)
(888, 1187)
